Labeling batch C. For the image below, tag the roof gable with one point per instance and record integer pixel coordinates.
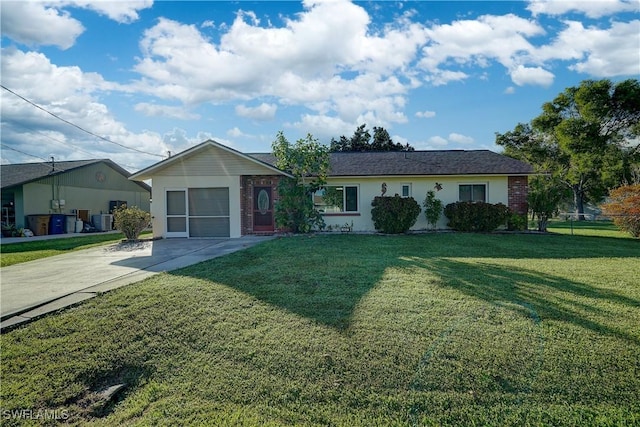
(209, 158)
(24, 173)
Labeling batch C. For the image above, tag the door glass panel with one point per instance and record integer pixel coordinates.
(176, 224)
(176, 204)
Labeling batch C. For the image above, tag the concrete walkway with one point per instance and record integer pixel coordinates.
(34, 288)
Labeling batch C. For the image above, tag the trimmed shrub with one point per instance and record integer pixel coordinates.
(476, 216)
(624, 208)
(394, 215)
(131, 221)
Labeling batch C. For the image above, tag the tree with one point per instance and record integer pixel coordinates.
(624, 208)
(545, 194)
(432, 208)
(361, 141)
(584, 138)
(308, 162)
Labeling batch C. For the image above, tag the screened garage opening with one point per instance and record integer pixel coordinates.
(208, 212)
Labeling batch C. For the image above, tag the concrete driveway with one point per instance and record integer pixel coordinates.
(34, 288)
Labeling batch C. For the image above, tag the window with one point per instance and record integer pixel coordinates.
(336, 199)
(406, 190)
(473, 193)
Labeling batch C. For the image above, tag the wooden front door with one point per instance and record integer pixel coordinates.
(263, 209)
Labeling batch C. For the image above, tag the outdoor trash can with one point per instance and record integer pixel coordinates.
(58, 221)
(39, 224)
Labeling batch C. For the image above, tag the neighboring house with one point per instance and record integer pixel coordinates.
(81, 187)
(211, 190)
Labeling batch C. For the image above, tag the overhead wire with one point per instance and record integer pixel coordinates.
(76, 126)
(21, 152)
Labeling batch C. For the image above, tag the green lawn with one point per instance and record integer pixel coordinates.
(439, 329)
(16, 253)
(586, 228)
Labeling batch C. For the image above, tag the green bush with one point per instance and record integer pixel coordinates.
(131, 221)
(295, 211)
(517, 222)
(476, 216)
(432, 208)
(394, 215)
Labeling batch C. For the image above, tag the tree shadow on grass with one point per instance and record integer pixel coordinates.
(325, 278)
(550, 297)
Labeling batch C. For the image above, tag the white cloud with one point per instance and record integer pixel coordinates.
(592, 9)
(73, 95)
(154, 110)
(123, 12)
(443, 77)
(510, 90)
(323, 127)
(599, 52)
(426, 114)
(476, 42)
(235, 132)
(34, 23)
(47, 23)
(263, 111)
(438, 141)
(460, 139)
(325, 59)
(522, 75)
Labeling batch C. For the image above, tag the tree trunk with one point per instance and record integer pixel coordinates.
(578, 201)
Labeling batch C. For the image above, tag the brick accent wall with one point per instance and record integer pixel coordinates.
(518, 189)
(247, 182)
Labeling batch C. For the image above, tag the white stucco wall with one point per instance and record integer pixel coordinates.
(497, 192)
(160, 185)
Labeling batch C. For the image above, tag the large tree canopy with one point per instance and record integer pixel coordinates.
(587, 138)
(361, 141)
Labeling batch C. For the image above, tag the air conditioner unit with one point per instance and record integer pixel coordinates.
(102, 222)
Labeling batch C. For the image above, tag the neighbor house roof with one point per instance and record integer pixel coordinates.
(408, 163)
(24, 173)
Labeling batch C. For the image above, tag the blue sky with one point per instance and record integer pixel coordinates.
(162, 76)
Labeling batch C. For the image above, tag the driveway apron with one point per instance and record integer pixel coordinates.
(33, 288)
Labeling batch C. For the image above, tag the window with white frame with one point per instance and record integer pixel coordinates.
(406, 190)
(336, 199)
(472, 192)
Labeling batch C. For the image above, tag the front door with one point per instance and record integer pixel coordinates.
(263, 209)
(176, 213)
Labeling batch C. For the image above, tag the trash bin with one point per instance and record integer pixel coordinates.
(70, 226)
(56, 226)
(39, 224)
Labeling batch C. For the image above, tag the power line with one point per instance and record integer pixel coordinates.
(22, 152)
(56, 140)
(76, 126)
(78, 149)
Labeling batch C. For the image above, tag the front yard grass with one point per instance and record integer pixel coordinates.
(441, 329)
(16, 253)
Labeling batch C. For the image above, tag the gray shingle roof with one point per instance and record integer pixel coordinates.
(445, 162)
(22, 173)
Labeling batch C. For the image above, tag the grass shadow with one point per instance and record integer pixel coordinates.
(551, 297)
(324, 277)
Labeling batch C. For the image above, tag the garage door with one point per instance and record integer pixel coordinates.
(208, 212)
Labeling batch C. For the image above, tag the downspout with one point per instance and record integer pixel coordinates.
(53, 182)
